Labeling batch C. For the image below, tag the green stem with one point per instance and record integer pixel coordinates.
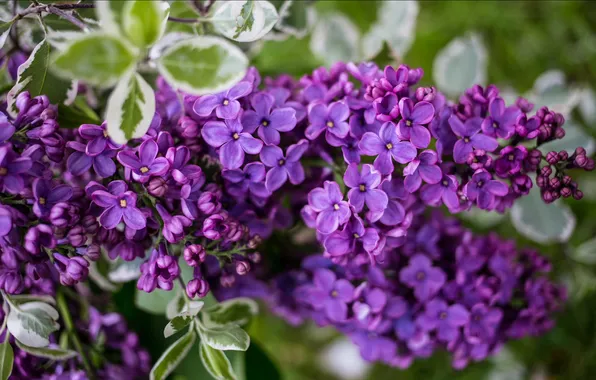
(72, 334)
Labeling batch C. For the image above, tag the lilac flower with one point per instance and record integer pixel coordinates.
(98, 139)
(6, 128)
(483, 189)
(445, 190)
(344, 242)
(328, 202)
(47, 195)
(511, 160)
(420, 275)
(386, 145)
(79, 162)
(173, 226)
(446, 320)
(225, 103)
(182, 172)
(160, 271)
(441, 130)
(269, 123)
(72, 270)
(387, 107)
(484, 322)
(363, 188)
(330, 294)
(283, 168)
(470, 139)
(12, 169)
(395, 212)
(373, 346)
(349, 147)
(362, 122)
(331, 118)
(147, 163)
(231, 140)
(424, 167)
(119, 205)
(215, 227)
(251, 178)
(38, 237)
(414, 117)
(501, 122)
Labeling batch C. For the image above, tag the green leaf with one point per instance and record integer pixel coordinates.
(76, 114)
(203, 65)
(237, 311)
(124, 271)
(18, 299)
(144, 22)
(216, 363)
(97, 58)
(246, 18)
(586, 253)
(6, 359)
(335, 38)
(225, 338)
(259, 365)
(130, 109)
(109, 14)
(294, 18)
(32, 323)
(34, 76)
(4, 32)
(183, 319)
(170, 359)
(53, 353)
(155, 302)
(244, 21)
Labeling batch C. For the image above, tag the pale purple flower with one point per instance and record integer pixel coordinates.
(12, 169)
(484, 322)
(349, 147)
(469, 138)
(269, 123)
(363, 188)
(173, 226)
(225, 103)
(283, 168)
(46, 195)
(374, 346)
(501, 122)
(331, 118)
(414, 118)
(445, 190)
(395, 212)
(119, 205)
(422, 277)
(386, 145)
(328, 202)
(330, 295)
(232, 141)
(6, 128)
(344, 241)
(146, 163)
(251, 178)
(182, 172)
(424, 167)
(446, 320)
(483, 189)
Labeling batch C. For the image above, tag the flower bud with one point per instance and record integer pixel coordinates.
(227, 280)
(38, 237)
(72, 270)
(157, 187)
(554, 183)
(194, 254)
(197, 287)
(563, 155)
(93, 252)
(577, 195)
(90, 224)
(546, 171)
(77, 236)
(589, 165)
(580, 151)
(566, 180)
(188, 128)
(566, 192)
(215, 227)
(242, 267)
(254, 242)
(552, 158)
(255, 257)
(208, 203)
(580, 160)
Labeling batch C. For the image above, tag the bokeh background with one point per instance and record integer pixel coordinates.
(543, 49)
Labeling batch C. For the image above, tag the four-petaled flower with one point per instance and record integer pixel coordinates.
(414, 117)
(269, 123)
(445, 190)
(232, 140)
(119, 204)
(251, 178)
(330, 294)
(469, 138)
(98, 138)
(147, 163)
(328, 202)
(332, 119)
(363, 188)
(225, 104)
(79, 161)
(420, 275)
(47, 195)
(483, 189)
(424, 167)
(445, 319)
(501, 122)
(385, 145)
(484, 321)
(12, 168)
(283, 168)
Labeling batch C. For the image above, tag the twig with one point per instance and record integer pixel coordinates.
(45, 8)
(60, 13)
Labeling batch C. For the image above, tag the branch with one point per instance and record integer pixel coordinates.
(60, 13)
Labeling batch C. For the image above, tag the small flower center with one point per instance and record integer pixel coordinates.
(477, 318)
(42, 201)
(466, 140)
(362, 188)
(356, 236)
(445, 183)
(144, 169)
(235, 136)
(3, 171)
(389, 146)
(480, 183)
(123, 203)
(265, 123)
(281, 162)
(443, 315)
(511, 157)
(495, 125)
(226, 102)
(105, 133)
(336, 207)
(420, 276)
(409, 123)
(330, 124)
(334, 293)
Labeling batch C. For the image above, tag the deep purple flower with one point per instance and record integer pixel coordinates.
(251, 178)
(363, 188)
(511, 160)
(483, 189)
(38, 237)
(330, 295)
(349, 147)
(232, 141)
(387, 107)
(424, 167)
(445, 190)
(344, 241)
(469, 138)
(215, 227)
(332, 118)
(119, 205)
(501, 122)
(72, 269)
(47, 195)
(386, 145)
(395, 212)
(161, 270)
(173, 226)
(414, 117)
(446, 320)
(194, 254)
(12, 169)
(182, 172)
(146, 163)
(98, 138)
(284, 168)
(269, 123)
(483, 324)
(328, 202)
(79, 162)
(225, 104)
(421, 276)
(362, 122)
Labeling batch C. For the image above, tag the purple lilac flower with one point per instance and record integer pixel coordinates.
(483, 189)
(511, 160)
(421, 276)
(283, 168)
(396, 192)
(146, 163)
(446, 320)
(328, 202)
(363, 188)
(484, 321)
(232, 140)
(72, 270)
(349, 147)
(12, 169)
(344, 241)
(38, 237)
(6, 128)
(79, 162)
(331, 119)
(469, 138)
(501, 122)
(386, 145)
(251, 178)
(98, 138)
(173, 226)
(330, 294)
(160, 271)
(119, 205)
(225, 104)
(182, 172)
(47, 195)
(424, 167)
(414, 117)
(445, 190)
(269, 123)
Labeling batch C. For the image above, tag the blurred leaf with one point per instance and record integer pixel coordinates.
(32, 323)
(335, 38)
(230, 337)
(155, 302)
(294, 17)
(4, 31)
(182, 9)
(216, 363)
(586, 253)
(587, 107)
(53, 353)
(244, 21)
(6, 359)
(145, 22)
(183, 319)
(460, 64)
(124, 271)
(259, 365)
(482, 218)
(574, 137)
(551, 90)
(170, 359)
(237, 311)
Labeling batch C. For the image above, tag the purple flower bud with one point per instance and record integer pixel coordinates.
(93, 252)
(552, 158)
(242, 267)
(189, 128)
(11, 282)
(580, 160)
(194, 254)
(235, 231)
(208, 203)
(580, 151)
(566, 180)
(38, 237)
(255, 257)
(227, 280)
(197, 287)
(559, 133)
(563, 155)
(90, 224)
(63, 214)
(566, 192)
(546, 171)
(554, 183)
(577, 195)
(215, 227)
(157, 187)
(77, 236)
(589, 166)
(548, 196)
(72, 270)
(524, 104)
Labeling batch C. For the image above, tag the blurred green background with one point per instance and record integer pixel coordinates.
(523, 39)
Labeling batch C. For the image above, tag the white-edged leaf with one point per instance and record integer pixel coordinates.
(460, 65)
(6, 359)
(335, 38)
(551, 90)
(144, 22)
(176, 303)
(586, 252)
(166, 41)
(483, 218)
(229, 17)
(100, 59)
(216, 363)
(35, 77)
(124, 271)
(237, 311)
(396, 24)
(506, 367)
(170, 359)
(587, 107)
(295, 18)
(579, 282)
(109, 15)
(203, 65)
(53, 353)
(542, 222)
(183, 319)
(155, 302)
(130, 110)
(230, 337)
(18, 299)
(32, 323)
(4, 32)
(574, 137)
